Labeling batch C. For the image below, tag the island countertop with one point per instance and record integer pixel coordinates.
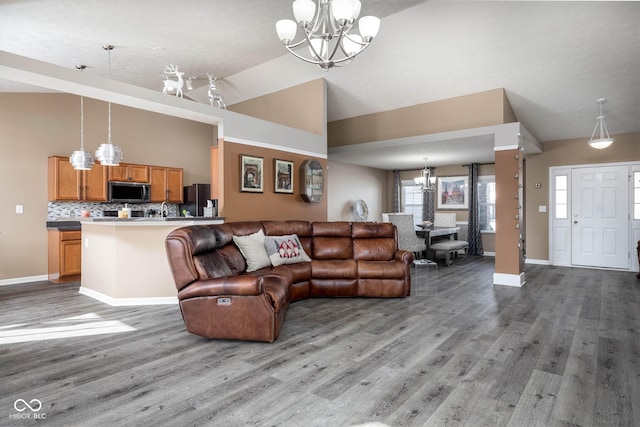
(76, 223)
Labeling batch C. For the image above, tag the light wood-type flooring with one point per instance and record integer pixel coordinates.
(564, 350)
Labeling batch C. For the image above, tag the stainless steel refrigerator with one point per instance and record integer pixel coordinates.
(195, 199)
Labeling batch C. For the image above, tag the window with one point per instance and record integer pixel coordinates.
(561, 197)
(487, 202)
(636, 195)
(412, 200)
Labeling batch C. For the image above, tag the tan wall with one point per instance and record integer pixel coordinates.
(350, 183)
(301, 107)
(463, 112)
(36, 126)
(561, 153)
(243, 206)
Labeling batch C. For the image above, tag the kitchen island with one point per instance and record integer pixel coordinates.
(124, 261)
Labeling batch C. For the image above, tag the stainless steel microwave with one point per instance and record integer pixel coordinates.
(128, 192)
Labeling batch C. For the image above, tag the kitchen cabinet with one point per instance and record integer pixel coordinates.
(67, 184)
(129, 172)
(65, 255)
(166, 184)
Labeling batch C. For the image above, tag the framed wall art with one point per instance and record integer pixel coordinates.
(283, 173)
(251, 174)
(453, 192)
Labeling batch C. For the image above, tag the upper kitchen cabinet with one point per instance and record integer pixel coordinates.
(67, 184)
(129, 172)
(166, 184)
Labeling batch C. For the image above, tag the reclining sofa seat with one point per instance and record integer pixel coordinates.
(219, 299)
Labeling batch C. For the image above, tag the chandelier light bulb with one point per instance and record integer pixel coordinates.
(304, 11)
(286, 30)
(352, 44)
(369, 26)
(342, 10)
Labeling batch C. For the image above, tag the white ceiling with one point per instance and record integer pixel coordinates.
(554, 59)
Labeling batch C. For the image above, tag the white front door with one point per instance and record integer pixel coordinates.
(600, 217)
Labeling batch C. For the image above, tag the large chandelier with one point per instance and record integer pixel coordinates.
(426, 182)
(604, 139)
(326, 29)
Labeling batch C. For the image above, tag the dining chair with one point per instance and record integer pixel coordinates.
(408, 240)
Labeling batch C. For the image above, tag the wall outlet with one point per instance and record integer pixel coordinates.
(542, 208)
(19, 209)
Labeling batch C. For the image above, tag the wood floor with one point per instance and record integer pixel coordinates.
(562, 351)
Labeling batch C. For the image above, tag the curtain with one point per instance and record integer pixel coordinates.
(397, 190)
(428, 205)
(474, 237)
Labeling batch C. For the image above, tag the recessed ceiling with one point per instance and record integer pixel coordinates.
(554, 59)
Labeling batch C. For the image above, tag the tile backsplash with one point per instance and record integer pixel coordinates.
(57, 210)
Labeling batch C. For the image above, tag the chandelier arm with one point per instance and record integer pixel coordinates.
(606, 131)
(297, 55)
(335, 48)
(313, 49)
(595, 129)
(350, 57)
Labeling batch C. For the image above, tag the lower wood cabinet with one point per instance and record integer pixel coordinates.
(65, 255)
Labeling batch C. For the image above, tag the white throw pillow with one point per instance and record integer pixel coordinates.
(252, 249)
(285, 250)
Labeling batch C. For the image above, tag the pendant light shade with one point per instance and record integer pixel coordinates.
(603, 140)
(80, 159)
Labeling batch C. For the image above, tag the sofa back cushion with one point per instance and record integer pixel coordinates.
(374, 241)
(332, 240)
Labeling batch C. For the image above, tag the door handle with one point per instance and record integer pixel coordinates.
(575, 222)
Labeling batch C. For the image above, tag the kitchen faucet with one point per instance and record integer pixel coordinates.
(164, 210)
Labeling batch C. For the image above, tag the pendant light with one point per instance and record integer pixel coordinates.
(80, 159)
(109, 154)
(604, 140)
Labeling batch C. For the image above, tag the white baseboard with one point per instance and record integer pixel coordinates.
(537, 261)
(118, 302)
(485, 253)
(509, 279)
(20, 280)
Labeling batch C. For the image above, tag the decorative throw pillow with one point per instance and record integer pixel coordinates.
(285, 250)
(253, 251)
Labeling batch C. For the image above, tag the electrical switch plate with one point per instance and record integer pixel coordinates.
(542, 208)
(19, 209)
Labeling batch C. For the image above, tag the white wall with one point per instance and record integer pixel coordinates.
(348, 183)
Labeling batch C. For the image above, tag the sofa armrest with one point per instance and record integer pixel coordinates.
(404, 256)
(232, 285)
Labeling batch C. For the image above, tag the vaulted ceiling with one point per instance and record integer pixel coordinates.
(554, 59)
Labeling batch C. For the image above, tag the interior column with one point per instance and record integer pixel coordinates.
(509, 260)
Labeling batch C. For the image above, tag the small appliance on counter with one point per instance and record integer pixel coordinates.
(115, 214)
(197, 198)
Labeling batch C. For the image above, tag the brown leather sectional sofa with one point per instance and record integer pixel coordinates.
(219, 299)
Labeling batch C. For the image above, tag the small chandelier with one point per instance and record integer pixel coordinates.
(326, 29)
(604, 140)
(109, 154)
(425, 180)
(80, 159)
